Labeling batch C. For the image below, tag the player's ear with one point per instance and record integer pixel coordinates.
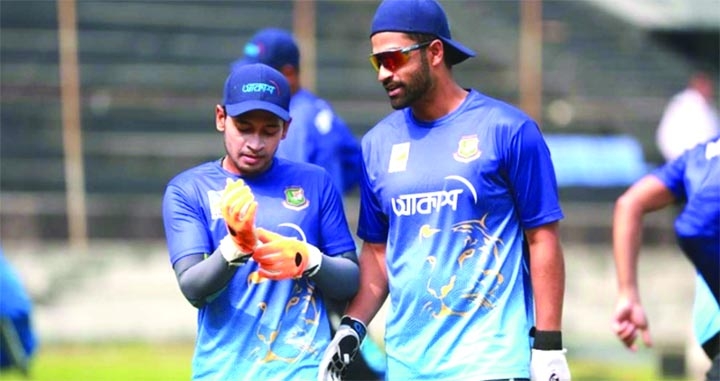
(437, 52)
(286, 128)
(220, 116)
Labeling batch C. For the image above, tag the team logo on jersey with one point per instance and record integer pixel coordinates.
(214, 202)
(467, 149)
(431, 202)
(295, 198)
(399, 157)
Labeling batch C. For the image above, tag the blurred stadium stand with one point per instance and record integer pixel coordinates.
(152, 71)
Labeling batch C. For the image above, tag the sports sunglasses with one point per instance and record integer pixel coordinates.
(394, 59)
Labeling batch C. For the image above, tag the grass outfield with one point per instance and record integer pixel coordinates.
(171, 362)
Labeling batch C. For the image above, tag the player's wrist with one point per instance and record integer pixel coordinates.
(232, 253)
(354, 324)
(547, 340)
(315, 257)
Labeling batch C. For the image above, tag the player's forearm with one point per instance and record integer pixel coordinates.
(200, 279)
(547, 272)
(373, 283)
(627, 236)
(338, 277)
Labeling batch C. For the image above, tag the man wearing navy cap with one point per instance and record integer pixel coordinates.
(318, 135)
(459, 216)
(259, 244)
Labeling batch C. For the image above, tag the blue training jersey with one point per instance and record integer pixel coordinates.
(317, 135)
(259, 329)
(694, 178)
(451, 198)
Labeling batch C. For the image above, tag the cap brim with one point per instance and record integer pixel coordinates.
(241, 108)
(457, 51)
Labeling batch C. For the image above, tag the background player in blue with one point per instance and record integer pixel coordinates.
(260, 295)
(459, 217)
(318, 135)
(693, 178)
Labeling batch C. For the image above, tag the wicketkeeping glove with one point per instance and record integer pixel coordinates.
(342, 349)
(238, 207)
(548, 362)
(283, 257)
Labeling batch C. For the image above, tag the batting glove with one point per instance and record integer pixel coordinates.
(548, 362)
(283, 257)
(238, 207)
(342, 349)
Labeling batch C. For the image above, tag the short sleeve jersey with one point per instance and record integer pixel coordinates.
(257, 328)
(451, 198)
(694, 178)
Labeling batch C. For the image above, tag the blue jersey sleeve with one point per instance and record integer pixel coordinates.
(532, 177)
(185, 229)
(672, 175)
(336, 238)
(372, 222)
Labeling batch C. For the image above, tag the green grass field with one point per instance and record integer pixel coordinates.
(171, 362)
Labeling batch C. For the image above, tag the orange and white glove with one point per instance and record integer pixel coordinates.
(238, 207)
(283, 257)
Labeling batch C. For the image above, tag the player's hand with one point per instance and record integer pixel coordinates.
(549, 365)
(342, 349)
(628, 321)
(238, 207)
(283, 257)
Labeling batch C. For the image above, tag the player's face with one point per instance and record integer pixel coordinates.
(251, 139)
(405, 73)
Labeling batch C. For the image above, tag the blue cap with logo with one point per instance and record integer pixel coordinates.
(272, 46)
(257, 87)
(419, 16)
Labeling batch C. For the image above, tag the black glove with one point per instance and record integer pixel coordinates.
(342, 349)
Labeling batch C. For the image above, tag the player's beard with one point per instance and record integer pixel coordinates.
(415, 88)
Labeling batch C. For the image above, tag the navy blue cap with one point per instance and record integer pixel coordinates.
(272, 46)
(419, 16)
(257, 87)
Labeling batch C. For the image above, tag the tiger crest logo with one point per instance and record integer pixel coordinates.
(467, 149)
(295, 198)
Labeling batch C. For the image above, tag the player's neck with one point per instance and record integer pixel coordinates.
(442, 100)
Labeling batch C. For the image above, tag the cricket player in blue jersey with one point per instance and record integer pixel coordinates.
(318, 135)
(259, 244)
(459, 217)
(692, 178)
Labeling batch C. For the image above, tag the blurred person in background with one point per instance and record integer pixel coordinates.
(459, 216)
(318, 135)
(692, 178)
(260, 295)
(690, 118)
(18, 341)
